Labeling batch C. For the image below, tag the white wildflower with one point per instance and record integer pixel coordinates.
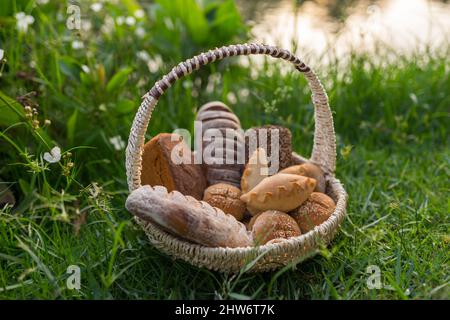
(117, 142)
(154, 64)
(231, 97)
(85, 68)
(243, 93)
(54, 155)
(86, 25)
(140, 32)
(2, 53)
(120, 20)
(139, 13)
(108, 25)
(96, 7)
(143, 55)
(77, 45)
(23, 21)
(42, 1)
(130, 20)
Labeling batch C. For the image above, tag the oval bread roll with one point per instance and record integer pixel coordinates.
(282, 192)
(309, 170)
(227, 198)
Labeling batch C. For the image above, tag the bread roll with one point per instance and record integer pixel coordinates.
(309, 170)
(273, 224)
(314, 211)
(227, 198)
(282, 191)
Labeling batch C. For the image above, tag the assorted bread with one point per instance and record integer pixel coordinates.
(268, 201)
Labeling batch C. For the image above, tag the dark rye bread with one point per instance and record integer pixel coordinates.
(252, 140)
(159, 169)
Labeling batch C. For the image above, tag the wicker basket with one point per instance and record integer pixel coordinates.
(262, 258)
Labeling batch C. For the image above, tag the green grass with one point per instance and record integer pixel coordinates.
(391, 118)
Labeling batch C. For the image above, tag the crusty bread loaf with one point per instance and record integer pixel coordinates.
(158, 167)
(265, 136)
(188, 218)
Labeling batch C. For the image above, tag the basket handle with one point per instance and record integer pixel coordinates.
(324, 148)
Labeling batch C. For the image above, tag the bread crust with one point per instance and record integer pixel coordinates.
(196, 221)
(227, 198)
(255, 170)
(159, 169)
(282, 191)
(314, 211)
(309, 170)
(272, 224)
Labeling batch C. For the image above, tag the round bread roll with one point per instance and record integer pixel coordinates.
(314, 211)
(227, 198)
(272, 224)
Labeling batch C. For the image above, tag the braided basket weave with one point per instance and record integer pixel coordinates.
(266, 257)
